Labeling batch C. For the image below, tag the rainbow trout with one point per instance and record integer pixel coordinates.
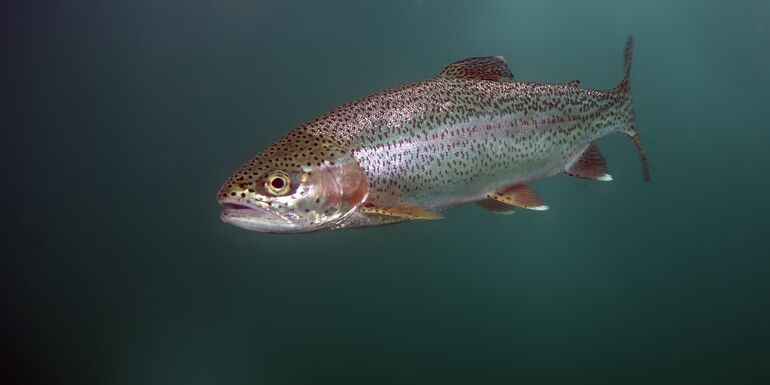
(470, 134)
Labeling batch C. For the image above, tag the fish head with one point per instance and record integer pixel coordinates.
(301, 183)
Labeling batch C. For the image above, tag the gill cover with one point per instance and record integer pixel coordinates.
(328, 191)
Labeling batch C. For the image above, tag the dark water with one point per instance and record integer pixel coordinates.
(122, 119)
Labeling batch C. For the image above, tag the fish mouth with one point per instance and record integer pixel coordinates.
(236, 206)
(255, 217)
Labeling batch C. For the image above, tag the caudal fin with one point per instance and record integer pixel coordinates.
(642, 154)
(624, 87)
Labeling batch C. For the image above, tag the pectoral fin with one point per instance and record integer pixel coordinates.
(589, 165)
(520, 196)
(403, 211)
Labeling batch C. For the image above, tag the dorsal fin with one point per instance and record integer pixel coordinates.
(574, 83)
(492, 68)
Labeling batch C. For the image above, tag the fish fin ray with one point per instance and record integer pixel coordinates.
(403, 211)
(495, 206)
(589, 165)
(624, 87)
(634, 136)
(493, 68)
(520, 196)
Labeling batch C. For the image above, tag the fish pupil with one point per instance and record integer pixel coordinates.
(277, 183)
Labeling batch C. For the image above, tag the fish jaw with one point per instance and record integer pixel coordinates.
(258, 218)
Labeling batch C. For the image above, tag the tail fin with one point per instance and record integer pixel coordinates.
(631, 132)
(625, 88)
(625, 84)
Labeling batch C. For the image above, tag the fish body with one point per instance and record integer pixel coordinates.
(470, 134)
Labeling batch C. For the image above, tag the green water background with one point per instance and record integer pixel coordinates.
(122, 119)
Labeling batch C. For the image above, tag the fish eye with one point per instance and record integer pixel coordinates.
(278, 183)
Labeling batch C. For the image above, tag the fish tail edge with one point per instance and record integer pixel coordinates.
(625, 84)
(624, 87)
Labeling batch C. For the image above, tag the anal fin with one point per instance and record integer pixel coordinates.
(403, 211)
(589, 165)
(520, 196)
(495, 206)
